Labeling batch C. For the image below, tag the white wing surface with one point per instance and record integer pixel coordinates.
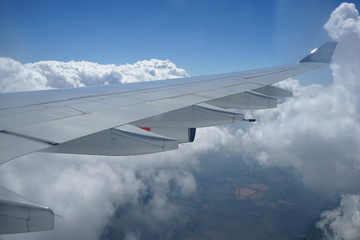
(18, 214)
(137, 118)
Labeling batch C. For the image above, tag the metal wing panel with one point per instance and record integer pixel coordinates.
(9, 111)
(119, 101)
(18, 214)
(195, 116)
(245, 100)
(14, 146)
(281, 73)
(273, 91)
(121, 141)
(65, 129)
(36, 116)
(90, 106)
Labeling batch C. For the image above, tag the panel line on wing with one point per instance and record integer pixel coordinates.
(270, 73)
(29, 137)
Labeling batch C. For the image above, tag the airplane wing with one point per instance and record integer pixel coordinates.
(18, 214)
(137, 118)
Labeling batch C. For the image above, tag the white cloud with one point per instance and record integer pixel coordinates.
(86, 191)
(343, 24)
(15, 76)
(342, 223)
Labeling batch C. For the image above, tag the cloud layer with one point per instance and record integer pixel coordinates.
(53, 74)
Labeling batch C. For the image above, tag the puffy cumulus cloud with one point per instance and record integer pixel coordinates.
(155, 215)
(342, 223)
(53, 74)
(316, 132)
(91, 194)
(343, 24)
(344, 27)
(81, 192)
(15, 77)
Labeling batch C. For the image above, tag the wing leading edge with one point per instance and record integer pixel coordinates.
(130, 119)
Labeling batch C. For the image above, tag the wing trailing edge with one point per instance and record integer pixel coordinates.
(19, 215)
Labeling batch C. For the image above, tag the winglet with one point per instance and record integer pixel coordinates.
(323, 54)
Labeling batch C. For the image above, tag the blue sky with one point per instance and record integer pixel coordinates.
(203, 37)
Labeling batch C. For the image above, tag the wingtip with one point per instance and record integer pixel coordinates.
(322, 54)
